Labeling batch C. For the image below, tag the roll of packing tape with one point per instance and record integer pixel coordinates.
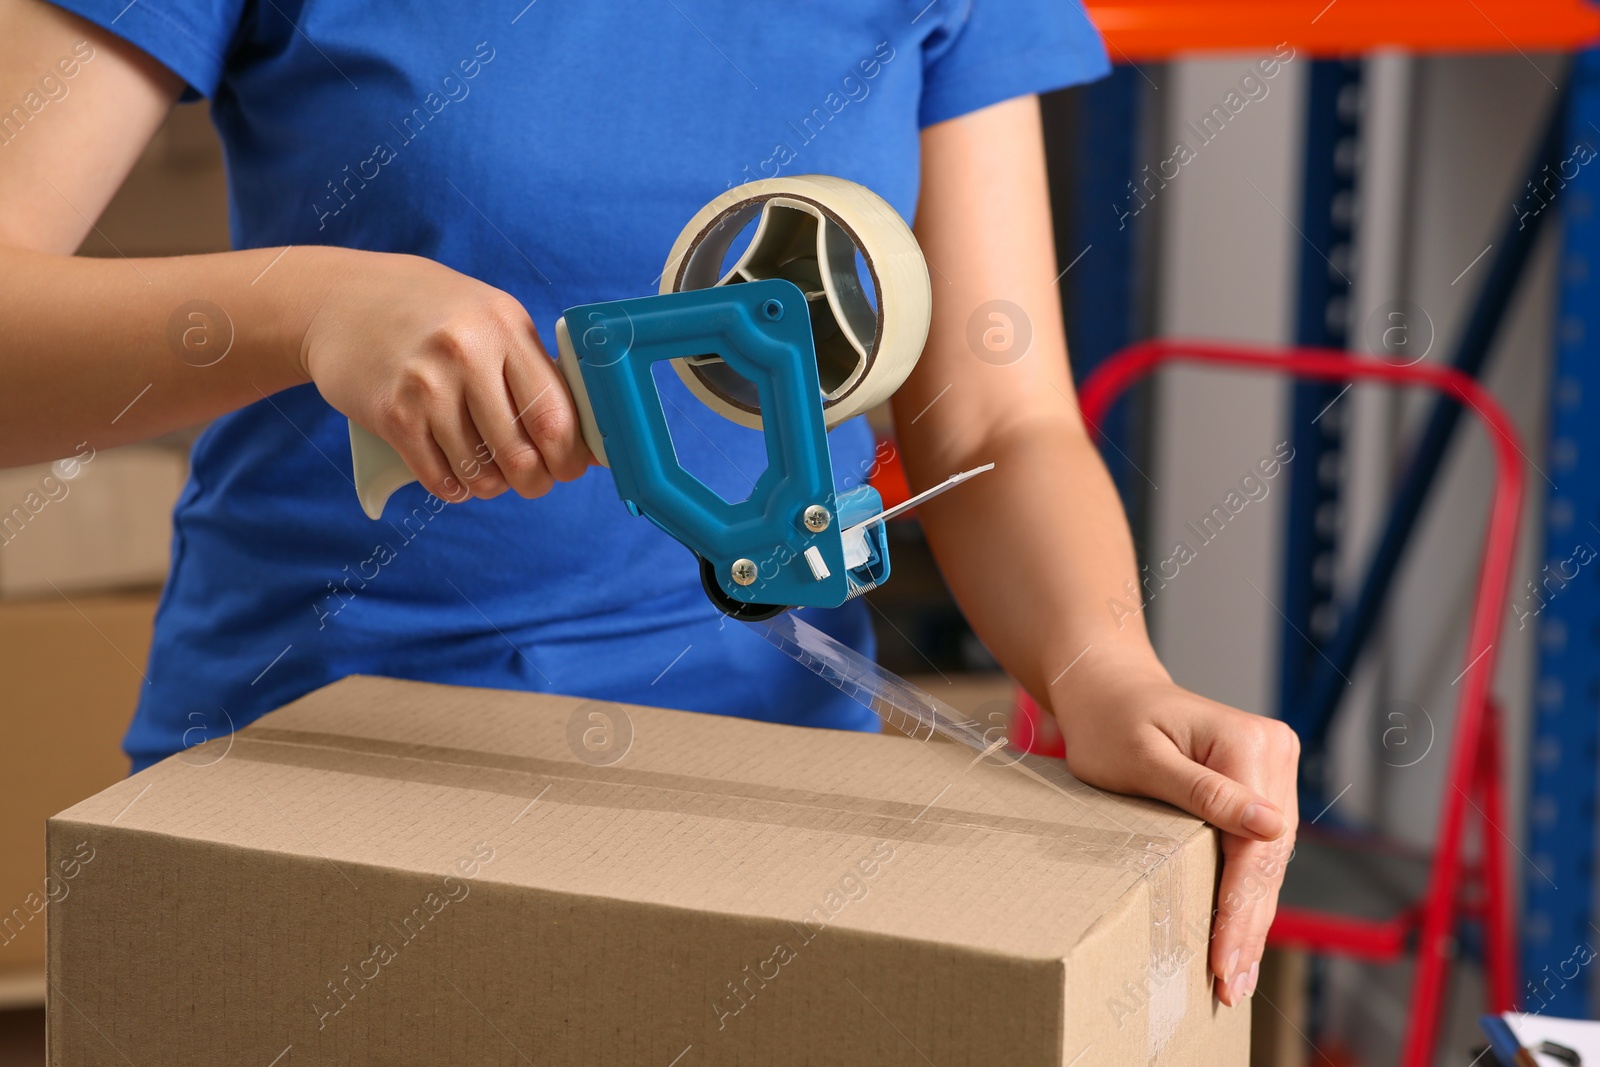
(809, 229)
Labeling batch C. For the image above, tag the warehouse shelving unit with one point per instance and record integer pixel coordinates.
(1318, 409)
(1559, 891)
(1559, 884)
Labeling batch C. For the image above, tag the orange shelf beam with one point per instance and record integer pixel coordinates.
(1150, 30)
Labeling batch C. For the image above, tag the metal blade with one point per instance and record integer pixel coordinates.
(927, 494)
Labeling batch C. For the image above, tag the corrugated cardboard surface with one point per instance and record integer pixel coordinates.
(70, 678)
(397, 873)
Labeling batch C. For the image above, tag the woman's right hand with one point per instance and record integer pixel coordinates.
(446, 369)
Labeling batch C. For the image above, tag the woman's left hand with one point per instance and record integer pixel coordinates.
(1037, 551)
(1129, 729)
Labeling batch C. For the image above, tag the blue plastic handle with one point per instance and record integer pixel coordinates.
(762, 330)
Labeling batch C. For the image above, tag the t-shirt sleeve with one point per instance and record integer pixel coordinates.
(984, 51)
(188, 37)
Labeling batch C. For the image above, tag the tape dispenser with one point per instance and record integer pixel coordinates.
(786, 341)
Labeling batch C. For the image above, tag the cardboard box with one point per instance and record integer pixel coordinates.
(396, 873)
(1278, 1037)
(92, 524)
(175, 200)
(70, 674)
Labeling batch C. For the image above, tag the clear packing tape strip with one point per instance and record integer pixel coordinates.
(911, 710)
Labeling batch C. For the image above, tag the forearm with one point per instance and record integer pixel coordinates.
(1037, 550)
(1038, 554)
(450, 371)
(110, 351)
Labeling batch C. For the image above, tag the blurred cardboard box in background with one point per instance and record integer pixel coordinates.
(85, 545)
(71, 656)
(95, 521)
(70, 674)
(174, 201)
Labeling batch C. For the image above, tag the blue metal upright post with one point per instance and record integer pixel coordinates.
(1328, 208)
(1560, 941)
(1099, 226)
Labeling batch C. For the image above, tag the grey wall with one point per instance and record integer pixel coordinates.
(1227, 256)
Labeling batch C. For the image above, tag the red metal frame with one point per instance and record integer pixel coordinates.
(1138, 31)
(1474, 774)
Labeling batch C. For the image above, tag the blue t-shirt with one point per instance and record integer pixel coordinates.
(552, 149)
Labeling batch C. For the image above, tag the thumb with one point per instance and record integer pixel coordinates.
(1226, 804)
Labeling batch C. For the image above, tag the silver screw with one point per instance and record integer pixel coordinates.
(817, 518)
(744, 571)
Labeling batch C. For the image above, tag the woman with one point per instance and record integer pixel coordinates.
(416, 196)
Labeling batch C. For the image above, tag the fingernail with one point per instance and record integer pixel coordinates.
(1250, 980)
(1261, 820)
(1236, 987)
(1231, 966)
